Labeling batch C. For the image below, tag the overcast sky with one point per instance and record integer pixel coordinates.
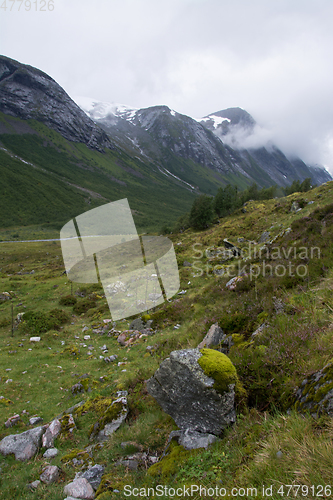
(270, 57)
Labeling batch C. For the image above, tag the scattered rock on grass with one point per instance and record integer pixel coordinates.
(80, 488)
(120, 406)
(52, 432)
(12, 421)
(232, 284)
(93, 475)
(24, 445)
(77, 388)
(192, 440)
(110, 359)
(35, 420)
(34, 485)
(51, 453)
(50, 474)
(316, 393)
(214, 336)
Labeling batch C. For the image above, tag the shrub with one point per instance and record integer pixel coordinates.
(68, 300)
(83, 306)
(39, 322)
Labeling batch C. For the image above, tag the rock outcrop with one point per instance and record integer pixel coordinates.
(28, 93)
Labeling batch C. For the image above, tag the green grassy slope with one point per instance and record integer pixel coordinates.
(66, 179)
(297, 342)
(46, 179)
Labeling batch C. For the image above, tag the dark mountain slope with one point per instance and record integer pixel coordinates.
(28, 93)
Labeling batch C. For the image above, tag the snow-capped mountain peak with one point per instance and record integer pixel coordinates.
(98, 110)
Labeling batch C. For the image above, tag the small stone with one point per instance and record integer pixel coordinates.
(122, 339)
(131, 464)
(12, 420)
(77, 388)
(279, 454)
(34, 485)
(113, 357)
(51, 453)
(94, 475)
(34, 339)
(80, 488)
(35, 420)
(50, 474)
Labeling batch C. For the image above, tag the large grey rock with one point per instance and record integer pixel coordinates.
(79, 488)
(24, 445)
(186, 393)
(93, 475)
(214, 336)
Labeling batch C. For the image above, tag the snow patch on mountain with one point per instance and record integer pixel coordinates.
(97, 110)
(217, 120)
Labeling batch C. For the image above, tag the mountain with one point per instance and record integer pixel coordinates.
(167, 137)
(235, 125)
(59, 159)
(56, 163)
(28, 93)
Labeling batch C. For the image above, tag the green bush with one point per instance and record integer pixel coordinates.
(68, 300)
(236, 322)
(39, 322)
(83, 306)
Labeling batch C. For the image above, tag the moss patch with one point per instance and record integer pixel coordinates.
(219, 367)
(169, 465)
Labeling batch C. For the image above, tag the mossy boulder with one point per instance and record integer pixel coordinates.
(199, 398)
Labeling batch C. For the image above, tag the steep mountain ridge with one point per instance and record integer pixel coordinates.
(28, 93)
